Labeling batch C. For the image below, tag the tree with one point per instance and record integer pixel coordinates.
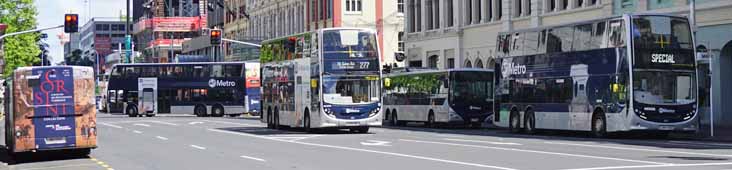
(20, 50)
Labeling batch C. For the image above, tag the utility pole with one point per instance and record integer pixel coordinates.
(128, 37)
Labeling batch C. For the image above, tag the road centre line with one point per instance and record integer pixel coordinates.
(111, 125)
(232, 123)
(701, 143)
(253, 158)
(366, 150)
(535, 151)
(638, 149)
(161, 122)
(198, 147)
(161, 138)
(654, 166)
(137, 131)
(479, 141)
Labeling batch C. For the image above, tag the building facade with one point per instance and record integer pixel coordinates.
(462, 33)
(236, 24)
(163, 25)
(275, 18)
(98, 36)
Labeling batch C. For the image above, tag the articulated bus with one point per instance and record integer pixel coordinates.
(50, 108)
(201, 89)
(455, 96)
(328, 78)
(627, 73)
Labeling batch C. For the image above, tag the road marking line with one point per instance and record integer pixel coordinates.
(136, 131)
(140, 124)
(198, 147)
(534, 151)
(370, 151)
(193, 123)
(479, 141)
(161, 122)
(253, 158)
(62, 166)
(638, 149)
(654, 166)
(161, 138)
(232, 123)
(702, 143)
(111, 125)
(375, 143)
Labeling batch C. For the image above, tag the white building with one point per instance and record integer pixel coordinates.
(275, 18)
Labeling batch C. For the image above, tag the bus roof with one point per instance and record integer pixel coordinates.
(587, 21)
(407, 71)
(322, 29)
(26, 68)
(191, 63)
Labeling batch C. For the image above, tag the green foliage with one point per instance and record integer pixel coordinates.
(20, 50)
(77, 60)
(423, 83)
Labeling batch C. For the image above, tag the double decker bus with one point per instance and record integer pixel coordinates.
(454, 96)
(50, 108)
(203, 89)
(329, 78)
(635, 72)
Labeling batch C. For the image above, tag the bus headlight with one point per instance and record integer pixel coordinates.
(328, 111)
(375, 112)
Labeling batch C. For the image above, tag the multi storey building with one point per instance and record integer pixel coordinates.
(274, 18)
(164, 25)
(99, 36)
(462, 33)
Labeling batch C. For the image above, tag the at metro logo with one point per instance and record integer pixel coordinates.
(220, 83)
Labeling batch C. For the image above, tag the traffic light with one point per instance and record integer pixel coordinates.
(71, 23)
(216, 37)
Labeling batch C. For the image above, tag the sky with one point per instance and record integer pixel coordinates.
(51, 12)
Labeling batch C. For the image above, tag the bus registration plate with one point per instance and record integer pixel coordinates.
(665, 128)
(474, 120)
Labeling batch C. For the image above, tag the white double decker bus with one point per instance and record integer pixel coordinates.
(329, 78)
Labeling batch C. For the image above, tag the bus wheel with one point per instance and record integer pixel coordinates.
(276, 119)
(199, 111)
(131, 111)
(599, 127)
(270, 125)
(394, 120)
(430, 120)
(530, 122)
(217, 111)
(514, 124)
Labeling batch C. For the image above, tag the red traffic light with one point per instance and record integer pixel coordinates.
(71, 23)
(216, 37)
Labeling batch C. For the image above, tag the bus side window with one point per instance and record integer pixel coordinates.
(616, 36)
(517, 43)
(597, 35)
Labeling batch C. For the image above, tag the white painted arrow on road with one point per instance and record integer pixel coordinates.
(193, 123)
(375, 143)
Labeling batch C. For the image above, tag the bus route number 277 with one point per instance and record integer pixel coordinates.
(352, 65)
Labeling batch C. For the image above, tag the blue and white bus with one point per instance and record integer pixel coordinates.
(329, 78)
(626, 73)
(453, 96)
(201, 89)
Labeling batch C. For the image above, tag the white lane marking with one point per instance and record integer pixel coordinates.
(161, 138)
(638, 149)
(136, 131)
(370, 151)
(253, 158)
(232, 123)
(140, 124)
(702, 143)
(193, 123)
(654, 166)
(375, 143)
(480, 141)
(62, 166)
(198, 147)
(161, 122)
(111, 125)
(535, 151)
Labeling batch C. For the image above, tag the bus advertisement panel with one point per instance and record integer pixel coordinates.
(252, 84)
(50, 108)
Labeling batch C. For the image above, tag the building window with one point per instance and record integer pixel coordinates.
(468, 12)
(624, 6)
(102, 27)
(449, 13)
(436, 13)
(479, 64)
(468, 64)
(416, 64)
(353, 6)
(450, 63)
(400, 41)
(658, 4)
(517, 8)
(429, 12)
(418, 14)
(400, 6)
(433, 61)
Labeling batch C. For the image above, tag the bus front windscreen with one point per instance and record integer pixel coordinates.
(663, 87)
(351, 90)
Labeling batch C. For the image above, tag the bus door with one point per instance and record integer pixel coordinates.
(147, 92)
(114, 101)
(164, 98)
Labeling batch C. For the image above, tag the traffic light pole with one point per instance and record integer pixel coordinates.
(29, 31)
(241, 42)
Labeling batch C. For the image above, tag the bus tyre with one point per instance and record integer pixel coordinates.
(131, 111)
(430, 120)
(306, 122)
(217, 111)
(599, 127)
(364, 129)
(270, 125)
(514, 123)
(394, 120)
(276, 119)
(199, 111)
(529, 122)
